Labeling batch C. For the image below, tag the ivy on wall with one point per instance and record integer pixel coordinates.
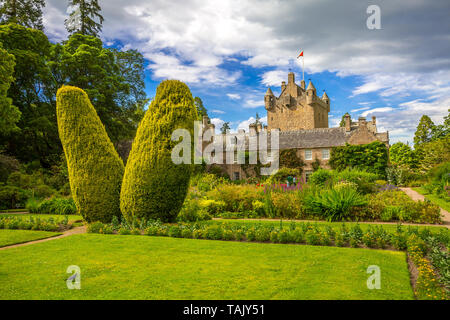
(372, 157)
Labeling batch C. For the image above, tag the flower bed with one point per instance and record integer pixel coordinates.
(32, 223)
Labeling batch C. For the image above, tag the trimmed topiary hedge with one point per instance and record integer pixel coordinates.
(153, 186)
(95, 169)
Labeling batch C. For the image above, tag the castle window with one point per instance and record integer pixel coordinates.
(236, 176)
(308, 154)
(325, 154)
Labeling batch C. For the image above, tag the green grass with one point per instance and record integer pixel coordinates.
(143, 267)
(433, 198)
(56, 217)
(335, 225)
(9, 237)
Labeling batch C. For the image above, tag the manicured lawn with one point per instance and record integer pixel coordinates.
(335, 225)
(433, 198)
(143, 267)
(9, 237)
(56, 217)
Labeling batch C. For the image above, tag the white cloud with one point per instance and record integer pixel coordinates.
(218, 111)
(190, 40)
(244, 124)
(359, 109)
(233, 96)
(252, 103)
(274, 77)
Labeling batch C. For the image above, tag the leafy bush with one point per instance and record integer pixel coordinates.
(334, 205)
(63, 206)
(236, 197)
(282, 174)
(94, 167)
(153, 186)
(320, 177)
(192, 211)
(12, 197)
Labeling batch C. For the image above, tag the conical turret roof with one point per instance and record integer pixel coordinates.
(269, 92)
(325, 96)
(310, 86)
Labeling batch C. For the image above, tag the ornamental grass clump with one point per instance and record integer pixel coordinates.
(95, 169)
(334, 204)
(154, 187)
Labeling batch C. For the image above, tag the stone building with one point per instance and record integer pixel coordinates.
(302, 118)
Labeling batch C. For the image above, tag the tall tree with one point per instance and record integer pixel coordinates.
(31, 93)
(201, 110)
(85, 17)
(257, 119)
(424, 131)
(113, 81)
(225, 127)
(27, 13)
(402, 155)
(9, 114)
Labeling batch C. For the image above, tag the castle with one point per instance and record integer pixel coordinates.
(302, 118)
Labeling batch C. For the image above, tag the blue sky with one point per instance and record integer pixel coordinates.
(230, 51)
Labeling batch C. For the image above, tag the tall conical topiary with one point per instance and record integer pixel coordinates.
(95, 168)
(153, 186)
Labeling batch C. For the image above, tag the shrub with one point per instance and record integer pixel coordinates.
(320, 177)
(94, 167)
(61, 206)
(236, 197)
(212, 207)
(333, 205)
(32, 205)
(154, 187)
(282, 174)
(95, 227)
(192, 211)
(287, 204)
(12, 197)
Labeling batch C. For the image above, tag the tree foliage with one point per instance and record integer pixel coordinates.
(9, 114)
(153, 186)
(33, 94)
(27, 13)
(372, 157)
(424, 131)
(225, 127)
(113, 80)
(83, 18)
(95, 169)
(201, 110)
(402, 155)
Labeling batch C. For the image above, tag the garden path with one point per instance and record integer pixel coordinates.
(417, 196)
(67, 233)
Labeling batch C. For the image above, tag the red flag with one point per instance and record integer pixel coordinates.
(300, 55)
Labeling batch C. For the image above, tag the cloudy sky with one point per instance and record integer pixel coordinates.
(229, 52)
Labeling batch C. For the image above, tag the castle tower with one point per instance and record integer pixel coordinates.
(296, 108)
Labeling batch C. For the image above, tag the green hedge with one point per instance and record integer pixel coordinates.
(95, 169)
(153, 186)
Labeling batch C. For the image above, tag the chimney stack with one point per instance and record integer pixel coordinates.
(348, 122)
(283, 86)
(374, 120)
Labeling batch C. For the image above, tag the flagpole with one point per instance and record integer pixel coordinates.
(303, 68)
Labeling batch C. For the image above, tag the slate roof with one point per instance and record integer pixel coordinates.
(313, 138)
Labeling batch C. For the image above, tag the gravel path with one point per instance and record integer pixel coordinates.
(418, 197)
(67, 233)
